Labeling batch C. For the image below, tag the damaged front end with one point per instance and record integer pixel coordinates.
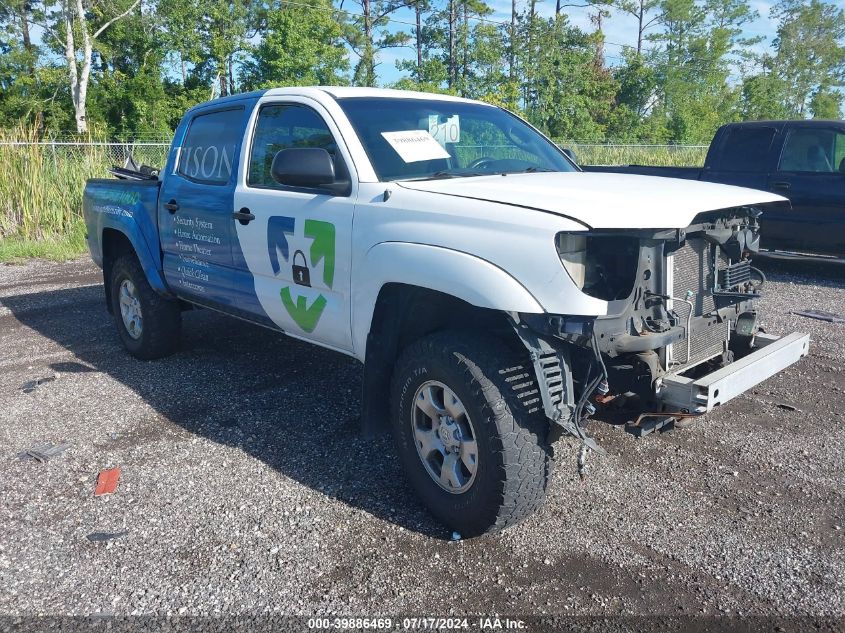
(680, 335)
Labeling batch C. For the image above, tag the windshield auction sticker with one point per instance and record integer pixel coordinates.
(445, 129)
(415, 145)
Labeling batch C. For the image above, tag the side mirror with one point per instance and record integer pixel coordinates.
(303, 167)
(570, 155)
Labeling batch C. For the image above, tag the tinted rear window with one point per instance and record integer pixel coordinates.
(209, 152)
(745, 149)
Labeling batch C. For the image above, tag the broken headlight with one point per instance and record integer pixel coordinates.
(572, 249)
(602, 266)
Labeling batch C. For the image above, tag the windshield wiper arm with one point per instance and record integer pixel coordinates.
(440, 174)
(531, 170)
(443, 175)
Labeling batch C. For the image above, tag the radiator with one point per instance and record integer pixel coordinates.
(690, 266)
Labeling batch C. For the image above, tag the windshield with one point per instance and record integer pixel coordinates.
(427, 139)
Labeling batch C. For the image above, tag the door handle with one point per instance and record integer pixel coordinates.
(781, 184)
(172, 206)
(244, 216)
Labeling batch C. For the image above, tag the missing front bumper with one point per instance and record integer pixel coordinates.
(702, 395)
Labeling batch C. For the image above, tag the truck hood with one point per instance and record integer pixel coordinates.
(602, 201)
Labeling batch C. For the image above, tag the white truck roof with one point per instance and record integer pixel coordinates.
(341, 92)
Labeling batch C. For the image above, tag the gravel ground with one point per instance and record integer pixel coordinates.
(246, 488)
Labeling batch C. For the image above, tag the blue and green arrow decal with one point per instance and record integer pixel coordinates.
(322, 235)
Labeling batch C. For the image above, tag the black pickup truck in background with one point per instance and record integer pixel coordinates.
(800, 160)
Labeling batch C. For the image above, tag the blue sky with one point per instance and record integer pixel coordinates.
(620, 30)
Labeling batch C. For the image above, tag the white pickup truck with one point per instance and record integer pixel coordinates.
(491, 289)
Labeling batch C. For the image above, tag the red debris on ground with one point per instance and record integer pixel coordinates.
(107, 481)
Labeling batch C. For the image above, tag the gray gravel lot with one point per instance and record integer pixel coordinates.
(246, 488)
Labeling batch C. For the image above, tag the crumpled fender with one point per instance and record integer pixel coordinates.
(472, 279)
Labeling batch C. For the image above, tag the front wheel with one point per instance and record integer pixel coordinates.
(477, 459)
(148, 324)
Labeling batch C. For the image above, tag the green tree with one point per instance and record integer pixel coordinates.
(805, 68)
(763, 96)
(74, 29)
(567, 94)
(367, 34)
(25, 83)
(421, 7)
(826, 104)
(644, 12)
(130, 93)
(214, 36)
(429, 70)
(810, 53)
(466, 34)
(301, 46)
(486, 75)
(635, 98)
(468, 57)
(693, 64)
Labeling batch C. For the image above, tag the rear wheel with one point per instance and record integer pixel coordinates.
(475, 457)
(148, 324)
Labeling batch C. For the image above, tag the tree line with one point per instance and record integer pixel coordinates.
(128, 69)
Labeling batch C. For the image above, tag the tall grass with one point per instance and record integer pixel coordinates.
(41, 196)
(654, 155)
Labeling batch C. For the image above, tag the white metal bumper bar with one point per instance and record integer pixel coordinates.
(701, 395)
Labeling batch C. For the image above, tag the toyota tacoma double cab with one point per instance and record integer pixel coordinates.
(492, 290)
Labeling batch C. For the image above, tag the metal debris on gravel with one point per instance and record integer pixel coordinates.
(820, 315)
(31, 385)
(45, 452)
(102, 537)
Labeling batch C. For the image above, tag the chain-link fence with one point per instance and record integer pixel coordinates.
(154, 153)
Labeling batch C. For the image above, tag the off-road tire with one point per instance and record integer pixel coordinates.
(162, 317)
(514, 461)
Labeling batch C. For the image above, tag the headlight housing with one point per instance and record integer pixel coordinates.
(572, 249)
(601, 266)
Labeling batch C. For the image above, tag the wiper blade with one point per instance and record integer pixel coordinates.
(531, 170)
(439, 175)
(443, 175)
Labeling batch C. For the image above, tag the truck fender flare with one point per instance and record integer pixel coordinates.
(461, 275)
(151, 265)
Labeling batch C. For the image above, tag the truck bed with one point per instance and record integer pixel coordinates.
(128, 205)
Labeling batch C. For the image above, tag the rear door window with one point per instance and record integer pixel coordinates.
(746, 149)
(815, 150)
(209, 151)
